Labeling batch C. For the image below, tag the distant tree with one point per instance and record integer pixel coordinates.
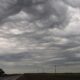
(2, 73)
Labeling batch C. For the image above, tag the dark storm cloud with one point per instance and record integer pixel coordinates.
(9, 7)
(15, 57)
(42, 13)
(48, 14)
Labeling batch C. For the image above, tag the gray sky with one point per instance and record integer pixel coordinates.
(40, 34)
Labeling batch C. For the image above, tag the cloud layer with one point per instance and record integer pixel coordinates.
(41, 35)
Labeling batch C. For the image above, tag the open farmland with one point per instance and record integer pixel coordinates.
(43, 76)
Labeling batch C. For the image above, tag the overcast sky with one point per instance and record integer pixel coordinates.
(39, 34)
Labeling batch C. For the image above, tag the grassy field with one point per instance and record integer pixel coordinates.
(51, 76)
(48, 76)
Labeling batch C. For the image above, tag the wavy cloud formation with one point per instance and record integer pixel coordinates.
(40, 34)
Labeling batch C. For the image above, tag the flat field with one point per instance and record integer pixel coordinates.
(52, 76)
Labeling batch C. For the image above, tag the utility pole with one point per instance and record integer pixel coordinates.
(55, 72)
(55, 69)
